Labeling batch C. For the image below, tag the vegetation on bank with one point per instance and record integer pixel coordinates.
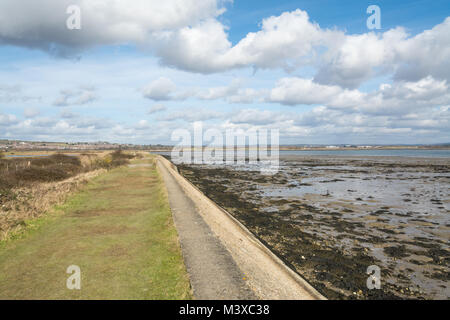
(118, 229)
(20, 172)
(30, 186)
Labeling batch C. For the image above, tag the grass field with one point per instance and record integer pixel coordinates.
(118, 230)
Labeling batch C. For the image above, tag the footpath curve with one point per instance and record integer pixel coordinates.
(249, 267)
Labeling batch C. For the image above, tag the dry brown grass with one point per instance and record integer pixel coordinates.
(33, 200)
(29, 187)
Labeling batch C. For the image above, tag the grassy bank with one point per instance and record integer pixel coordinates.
(118, 230)
(31, 186)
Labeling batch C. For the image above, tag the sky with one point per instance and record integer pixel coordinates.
(136, 71)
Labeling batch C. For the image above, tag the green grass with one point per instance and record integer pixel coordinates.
(118, 230)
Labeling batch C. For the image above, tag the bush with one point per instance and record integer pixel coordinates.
(62, 158)
(47, 174)
(6, 183)
(103, 163)
(42, 162)
(57, 158)
(112, 160)
(118, 154)
(57, 167)
(119, 162)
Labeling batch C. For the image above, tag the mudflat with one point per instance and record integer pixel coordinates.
(330, 218)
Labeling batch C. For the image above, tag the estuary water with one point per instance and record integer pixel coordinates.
(331, 216)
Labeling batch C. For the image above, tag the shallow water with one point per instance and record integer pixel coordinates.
(415, 153)
(410, 153)
(26, 155)
(331, 217)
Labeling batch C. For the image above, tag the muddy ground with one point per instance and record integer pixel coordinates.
(330, 218)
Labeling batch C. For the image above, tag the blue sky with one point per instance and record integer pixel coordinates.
(311, 69)
(245, 16)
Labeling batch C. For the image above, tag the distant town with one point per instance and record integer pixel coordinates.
(20, 145)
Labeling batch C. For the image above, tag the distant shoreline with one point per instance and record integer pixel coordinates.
(286, 148)
(283, 149)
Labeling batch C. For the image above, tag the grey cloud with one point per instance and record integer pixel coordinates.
(67, 114)
(322, 124)
(192, 114)
(42, 24)
(164, 89)
(160, 89)
(13, 93)
(31, 112)
(83, 95)
(396, 98)
(259, 117)
(7, 119)
(157, 108)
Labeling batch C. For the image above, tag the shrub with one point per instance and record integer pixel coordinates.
(57, 158)
(17, 172)
(46, 174)
(6, 183)
(104, 163)
(42, 162)
(57, 167)
(118, 154)
(62, 158)
(119, 162)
